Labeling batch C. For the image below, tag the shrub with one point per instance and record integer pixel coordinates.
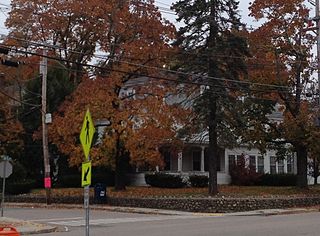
(69, 181)
(19, 187)
(241, 174)
(199, 181)
(163, 180)
(74, 181)
(277, 180)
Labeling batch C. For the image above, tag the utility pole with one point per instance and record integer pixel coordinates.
(47, 178)
(317, 19)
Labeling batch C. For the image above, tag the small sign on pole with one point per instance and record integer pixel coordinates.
(47, 182)
(86, 174)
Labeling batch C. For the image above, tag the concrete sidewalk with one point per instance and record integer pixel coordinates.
(29, 227)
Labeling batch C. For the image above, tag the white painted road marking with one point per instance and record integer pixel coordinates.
(81, 222)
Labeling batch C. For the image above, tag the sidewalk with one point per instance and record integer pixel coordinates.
(28, 227)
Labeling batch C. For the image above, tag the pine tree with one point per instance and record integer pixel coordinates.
(212, 39)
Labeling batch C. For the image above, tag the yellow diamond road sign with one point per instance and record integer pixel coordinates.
(86, 174)
(86, 134)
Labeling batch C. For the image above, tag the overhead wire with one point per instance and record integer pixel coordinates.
(136, 64)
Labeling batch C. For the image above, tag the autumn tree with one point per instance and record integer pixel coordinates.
(281, 47)
(215, 51)
(71, 29)
(10, 127)
(134, 41)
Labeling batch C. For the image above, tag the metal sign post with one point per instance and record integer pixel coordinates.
(3, 186)
(86, 207)
(5, 172)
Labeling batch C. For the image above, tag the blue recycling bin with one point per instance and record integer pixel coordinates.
(100, 193)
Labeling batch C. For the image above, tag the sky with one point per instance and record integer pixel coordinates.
(162, 4)
(243, 8)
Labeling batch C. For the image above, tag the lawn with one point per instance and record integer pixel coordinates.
(224, 191)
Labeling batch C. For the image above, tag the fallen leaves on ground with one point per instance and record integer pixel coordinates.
(224, 191)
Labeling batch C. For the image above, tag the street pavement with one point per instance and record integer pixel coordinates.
(61, 219)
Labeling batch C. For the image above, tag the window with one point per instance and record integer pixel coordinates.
(273, 167)
(232, 161)
(252, 162)
(167, 160)
(260, 164)
(196, 156)
(280, 166)
(290, 165)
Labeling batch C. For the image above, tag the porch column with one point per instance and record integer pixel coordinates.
(202, 158)
(180, 161)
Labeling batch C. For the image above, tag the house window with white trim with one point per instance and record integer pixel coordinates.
(280, 166)
(252, 162)
(273, 165)
(260, 164)
(290, 165)
(231, 161)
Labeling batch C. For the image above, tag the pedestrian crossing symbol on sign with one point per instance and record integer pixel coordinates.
(86, 174)
(86, 134)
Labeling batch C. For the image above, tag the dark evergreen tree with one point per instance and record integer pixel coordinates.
(216, 50)
(58, 87)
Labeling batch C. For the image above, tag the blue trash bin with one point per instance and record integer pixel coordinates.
(100, 193)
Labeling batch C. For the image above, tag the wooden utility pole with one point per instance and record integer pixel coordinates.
(47, 178)
(317, 19)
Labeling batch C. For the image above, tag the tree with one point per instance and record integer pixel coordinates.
(10, 127)
(136, 41)
(58, 87)
(212, 39)
(282, 57)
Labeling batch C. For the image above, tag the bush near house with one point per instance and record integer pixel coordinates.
(242, 174)
(198, 181)
(163, 180)
(277, 180)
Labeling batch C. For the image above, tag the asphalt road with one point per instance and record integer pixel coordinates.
(71, 223)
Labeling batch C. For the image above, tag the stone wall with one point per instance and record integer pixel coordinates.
(216, 205)
(211, 205)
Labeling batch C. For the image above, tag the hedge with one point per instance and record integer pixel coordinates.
(163, 180)
(198, 181)
(277, 180)
(21, 187)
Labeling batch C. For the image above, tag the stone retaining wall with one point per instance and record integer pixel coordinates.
(217, 205)
(213, 205)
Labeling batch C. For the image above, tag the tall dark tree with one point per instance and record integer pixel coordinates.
(58, 87)
(212, 40)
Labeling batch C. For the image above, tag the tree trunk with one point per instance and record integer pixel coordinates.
(120, 175)
(121, 168)
(302, 163)
(213, 148)
(315, 170)
(212, 117)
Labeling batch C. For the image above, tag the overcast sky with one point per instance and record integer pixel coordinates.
(243, 8)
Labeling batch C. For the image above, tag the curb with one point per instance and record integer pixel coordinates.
(28, 227)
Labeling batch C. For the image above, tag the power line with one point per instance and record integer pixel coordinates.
(141, 65)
